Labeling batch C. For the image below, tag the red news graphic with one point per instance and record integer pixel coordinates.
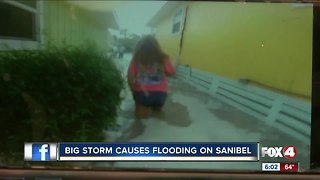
(289, 167)
(288, 152)
(281, 167)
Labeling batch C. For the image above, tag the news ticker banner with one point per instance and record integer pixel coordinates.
(141, 151)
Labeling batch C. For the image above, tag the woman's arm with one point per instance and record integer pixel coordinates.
(131, 77)
(131, 81)
(168, 67)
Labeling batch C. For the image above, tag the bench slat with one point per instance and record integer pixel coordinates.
(248, 94)
(240, 107)
(247, 102)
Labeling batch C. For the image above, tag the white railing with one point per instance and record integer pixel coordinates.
(289, 115)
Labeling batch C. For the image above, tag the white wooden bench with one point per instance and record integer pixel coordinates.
(289, 115)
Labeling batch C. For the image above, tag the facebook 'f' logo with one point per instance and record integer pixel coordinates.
(40, 152)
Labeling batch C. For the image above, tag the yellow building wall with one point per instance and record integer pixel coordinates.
(268, 43)
(169, 42)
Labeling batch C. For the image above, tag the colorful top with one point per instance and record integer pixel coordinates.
(151, 77)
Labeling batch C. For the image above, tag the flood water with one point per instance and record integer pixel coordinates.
(190, 115)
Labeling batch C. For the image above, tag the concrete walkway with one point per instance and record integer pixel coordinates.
(193, 116)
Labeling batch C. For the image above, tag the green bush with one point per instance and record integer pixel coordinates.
(56, 94)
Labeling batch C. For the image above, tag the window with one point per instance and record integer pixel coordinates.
(19, 22)
(177, 21)
(16, 23)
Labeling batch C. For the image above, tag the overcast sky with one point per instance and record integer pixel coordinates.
(133, 15)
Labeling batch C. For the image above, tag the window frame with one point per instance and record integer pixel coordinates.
(180, 20)
(8, 43)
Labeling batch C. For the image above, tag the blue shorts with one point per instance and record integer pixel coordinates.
(153, 99)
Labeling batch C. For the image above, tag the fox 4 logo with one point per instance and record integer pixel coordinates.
(288, 152)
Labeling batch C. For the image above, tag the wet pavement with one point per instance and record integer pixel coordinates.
(193, 116)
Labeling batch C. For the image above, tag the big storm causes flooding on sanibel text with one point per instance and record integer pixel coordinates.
(142, 150)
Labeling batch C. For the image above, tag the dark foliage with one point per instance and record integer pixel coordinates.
(56, 94)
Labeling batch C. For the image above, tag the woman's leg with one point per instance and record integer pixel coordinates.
(142, 104)
(158, 103)
(159, 100)
(141, 111)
